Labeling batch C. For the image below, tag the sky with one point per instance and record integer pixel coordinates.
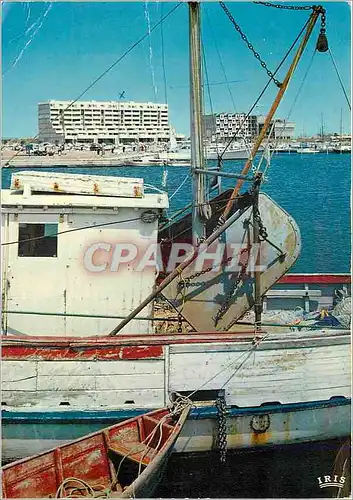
(55, 50)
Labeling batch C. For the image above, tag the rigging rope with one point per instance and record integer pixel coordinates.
(140, 40)
(211, 184)
(294, 103)
(339, 78)
(102, 491)
(70, 231)
(254, 346)
(250, 46)
(269, 158)
(220, 59)
(178, 189)
(236, 133)
(207, 82)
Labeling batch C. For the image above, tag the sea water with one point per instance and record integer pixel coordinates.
(313, 189)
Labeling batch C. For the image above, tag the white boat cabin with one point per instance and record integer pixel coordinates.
(79, 250)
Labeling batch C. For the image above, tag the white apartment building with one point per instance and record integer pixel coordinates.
(281, 130)
(223, 126)
(103, 122)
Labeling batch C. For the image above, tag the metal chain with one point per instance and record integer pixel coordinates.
(262, 230)
(186, 282)
(180, 323)
(323, 21)
(288, 7)
(222, 428)
(228, 300)
(250, 46)
(322, 43)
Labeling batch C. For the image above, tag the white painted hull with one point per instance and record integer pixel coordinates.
(291, 425)
(235, 154)
(293, 372)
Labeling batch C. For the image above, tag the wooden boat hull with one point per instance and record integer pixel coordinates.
(55, 390)
(35, 432)
(126, 460)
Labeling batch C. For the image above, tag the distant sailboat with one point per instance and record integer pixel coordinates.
(343, 148)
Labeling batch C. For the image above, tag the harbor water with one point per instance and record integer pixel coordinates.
(315, 191)
(283, 472)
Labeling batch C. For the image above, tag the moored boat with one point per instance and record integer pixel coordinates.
(343, 149)
(126, 460)
(274, 384)
(307, 151)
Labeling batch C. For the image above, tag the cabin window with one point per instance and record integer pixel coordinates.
(38, 240)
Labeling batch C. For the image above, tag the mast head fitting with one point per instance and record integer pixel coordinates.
(322, 43)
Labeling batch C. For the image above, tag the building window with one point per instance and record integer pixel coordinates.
(38, 240)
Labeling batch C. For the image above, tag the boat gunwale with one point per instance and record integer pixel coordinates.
(175, 338)
(160, 454)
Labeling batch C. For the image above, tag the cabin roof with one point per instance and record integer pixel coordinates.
(53, 189)
(11, 198)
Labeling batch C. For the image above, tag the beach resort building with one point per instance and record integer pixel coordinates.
(109, 122)
(223, 126)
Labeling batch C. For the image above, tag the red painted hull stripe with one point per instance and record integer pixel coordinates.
(84, 352)
(307, 279)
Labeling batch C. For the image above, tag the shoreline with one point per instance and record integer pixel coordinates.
(81, 159)
(66, 160)
(87, 159)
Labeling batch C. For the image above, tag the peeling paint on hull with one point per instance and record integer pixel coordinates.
(289, 424)
(82, 353)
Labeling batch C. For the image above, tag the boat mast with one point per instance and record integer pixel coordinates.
(322, 126)
(226, 219)
(197, 151)
(341, 130)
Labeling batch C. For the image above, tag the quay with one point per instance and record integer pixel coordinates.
(68, 159)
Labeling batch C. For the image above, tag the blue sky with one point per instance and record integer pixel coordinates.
(72, 43)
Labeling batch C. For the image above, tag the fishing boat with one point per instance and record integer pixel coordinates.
(343, 149)
(307, 151)
(126, 460)
(183, 153)
(89, 247)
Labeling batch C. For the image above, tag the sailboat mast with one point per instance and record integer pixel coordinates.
(322, 126)
(341, 130)
(197, 152)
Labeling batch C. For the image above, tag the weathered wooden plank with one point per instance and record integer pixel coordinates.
(133, 382)
(264, 376)
(120, 367)
(21, 384)
(12, 370)
(58, 382)
(66, 383)
(109, 399)
(287, 340)
(56, 182)
(247, 400)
